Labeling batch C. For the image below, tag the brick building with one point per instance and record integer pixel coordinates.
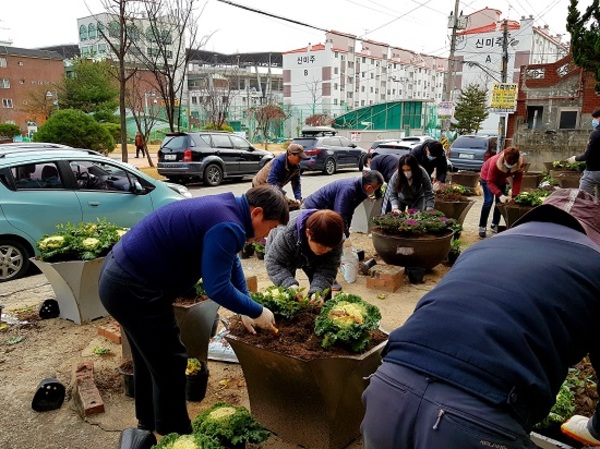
(28, 80)
(552, 119)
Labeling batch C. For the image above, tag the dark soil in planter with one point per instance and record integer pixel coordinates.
(450, 197)
(296, 338)
(190, 300)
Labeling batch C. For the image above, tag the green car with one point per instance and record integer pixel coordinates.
(44, 186)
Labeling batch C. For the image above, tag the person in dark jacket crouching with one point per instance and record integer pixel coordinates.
(483, 356)
(312, 241)
(161, 258)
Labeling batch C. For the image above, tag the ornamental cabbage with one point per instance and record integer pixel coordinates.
(230, 425)
(51, 243)
(194, 441)
(347, 320)
(283, 302)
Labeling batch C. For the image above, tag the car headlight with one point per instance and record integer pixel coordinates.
(182, 190)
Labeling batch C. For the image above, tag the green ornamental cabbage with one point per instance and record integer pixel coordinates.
(194, 441)
(347, 320)
(281, 301)
(229, 425)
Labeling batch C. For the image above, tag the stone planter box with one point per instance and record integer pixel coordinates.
(566, 178)
(512, 212)
(531, 181)
(455, 209)
(468, 179)
(425, 251)
(75, 284)
(544, 442)
(362, 220)
(314, 404)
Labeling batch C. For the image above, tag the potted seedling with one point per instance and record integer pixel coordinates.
(232, 426)
(259, 250)
(196, 374)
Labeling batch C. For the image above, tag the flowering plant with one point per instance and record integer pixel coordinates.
(85, 241)
(416, 222)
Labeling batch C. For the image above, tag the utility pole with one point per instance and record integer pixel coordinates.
(451, 62)
(504, 75)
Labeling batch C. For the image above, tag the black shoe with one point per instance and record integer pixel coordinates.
(494, 228)
(482, 232)
(136, 439)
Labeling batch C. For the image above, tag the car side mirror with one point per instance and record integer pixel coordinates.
(137, 188)
(251, 148)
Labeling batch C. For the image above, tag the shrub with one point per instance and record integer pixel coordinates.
(76, 129)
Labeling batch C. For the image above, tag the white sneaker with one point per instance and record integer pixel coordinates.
(494, 228)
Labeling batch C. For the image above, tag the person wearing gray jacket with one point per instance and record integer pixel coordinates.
(312, 240)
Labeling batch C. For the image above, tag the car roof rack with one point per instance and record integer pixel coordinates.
(9, 151)
(319, 131)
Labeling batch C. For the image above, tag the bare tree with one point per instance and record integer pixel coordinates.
(166, 52)
(319, 120)
(145, 113)
(314, 88)
(40, 104)
(119, 36)
(266, 116)
(217, 92)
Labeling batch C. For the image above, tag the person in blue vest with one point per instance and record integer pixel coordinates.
(161, 258)
(484, 354)
(344, 195)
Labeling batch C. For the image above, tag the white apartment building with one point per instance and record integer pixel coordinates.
(335, 77)
(480, 48)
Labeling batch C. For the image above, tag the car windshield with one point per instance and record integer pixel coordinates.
(470, 142)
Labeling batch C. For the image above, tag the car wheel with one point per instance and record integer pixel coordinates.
(213, 175)
(361, 163)
(329, 168)
(14, 260)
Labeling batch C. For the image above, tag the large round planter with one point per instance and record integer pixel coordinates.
(512, 212)
(455, 209)
(425, 251)
(468, 179)
(75, 284)
(568, 179)
(531, 181)
(310, 403)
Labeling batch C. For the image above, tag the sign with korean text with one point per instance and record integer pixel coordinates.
(445, 109)
(504, 97)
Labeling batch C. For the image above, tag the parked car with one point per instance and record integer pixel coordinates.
(376, 143)
(398, 148)
(413, 141)
(468, 152)
(40, 188)
(329, 152)
(32, 145)
(209, 157)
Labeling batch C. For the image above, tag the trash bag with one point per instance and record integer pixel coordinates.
(350, 264)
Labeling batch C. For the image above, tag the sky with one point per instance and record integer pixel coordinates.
(418, 25)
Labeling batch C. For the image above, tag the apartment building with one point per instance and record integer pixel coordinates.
(27, 86)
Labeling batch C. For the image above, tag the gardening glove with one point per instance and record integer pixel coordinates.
(503, 199)
(579, 428)
(266, 320)
(571, 160)
(317, 300)
(396, 212)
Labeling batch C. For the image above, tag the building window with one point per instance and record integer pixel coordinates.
(100, 28)
(4, 83)
(335, 54)
(91, 31)
(343, 57)
(336, 70)
(568, 119)
(7, 103)
(2, 62)
(83, 33)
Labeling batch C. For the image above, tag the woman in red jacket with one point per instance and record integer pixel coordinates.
(494, 182)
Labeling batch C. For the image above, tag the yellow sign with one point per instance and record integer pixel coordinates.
(504, 97)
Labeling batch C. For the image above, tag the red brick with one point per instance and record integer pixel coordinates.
(86, 396)
(111, 331)
(252, 283)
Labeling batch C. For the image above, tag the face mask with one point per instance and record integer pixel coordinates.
(430, 157)
(408, 174)
(595, 122)
(509, 166)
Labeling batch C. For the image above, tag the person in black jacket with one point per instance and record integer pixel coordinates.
(386, 164)
(431, 156)
(590, 181)
(485, 352)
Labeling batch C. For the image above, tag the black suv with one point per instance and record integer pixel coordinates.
(209, 157)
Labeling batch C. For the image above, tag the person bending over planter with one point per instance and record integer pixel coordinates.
(431, 156)
(386, 164)
(312, 241)
(494, 176)
(345, 195)
(484, 354)
(163, 256)
(409, 188)
(282, 170)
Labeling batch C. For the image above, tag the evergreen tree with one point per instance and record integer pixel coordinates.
(585, 37)
(471, 110)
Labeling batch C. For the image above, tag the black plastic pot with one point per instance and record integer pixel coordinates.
(452, 256)
(49, 395)
(126, 370)
(415, 274)
(195, 389)
(260, 255)
(136, 439)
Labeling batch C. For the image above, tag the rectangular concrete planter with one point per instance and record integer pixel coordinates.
(315, 404)
(75, 284)
(468, 179)
(531, 181)
(544, 442)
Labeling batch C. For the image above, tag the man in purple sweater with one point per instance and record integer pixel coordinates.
(162, 257)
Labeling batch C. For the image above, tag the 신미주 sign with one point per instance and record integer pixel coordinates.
(504, 97)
